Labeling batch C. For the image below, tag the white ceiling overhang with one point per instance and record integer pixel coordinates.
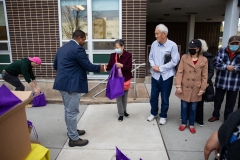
(204, 10)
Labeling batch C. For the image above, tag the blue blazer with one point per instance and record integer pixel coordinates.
(71, 63)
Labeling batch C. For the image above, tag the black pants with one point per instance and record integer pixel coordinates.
(230, 102)
(13, 80)
(199, 114)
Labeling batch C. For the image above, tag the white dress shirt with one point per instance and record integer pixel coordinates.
(157, 56)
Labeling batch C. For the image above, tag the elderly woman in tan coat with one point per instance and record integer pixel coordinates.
(191, 82)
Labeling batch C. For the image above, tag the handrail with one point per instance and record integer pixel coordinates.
(135, 74)
(103, 81)
(133, 61)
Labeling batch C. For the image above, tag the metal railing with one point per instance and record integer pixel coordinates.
(136, 66)
(134, 82)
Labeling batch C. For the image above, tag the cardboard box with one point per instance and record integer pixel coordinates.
(23, 95)
(14, 133)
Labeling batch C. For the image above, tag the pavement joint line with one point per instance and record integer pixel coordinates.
(52, 147)
(82, 148)
(163, 139)
(67, 138)
(184, 151)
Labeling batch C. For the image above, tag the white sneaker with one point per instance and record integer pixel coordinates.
(162, 121)
(151, 118)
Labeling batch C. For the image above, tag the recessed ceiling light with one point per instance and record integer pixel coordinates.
(177, 9)
(190, 13)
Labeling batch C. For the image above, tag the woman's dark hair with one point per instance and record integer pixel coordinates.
(119, 41)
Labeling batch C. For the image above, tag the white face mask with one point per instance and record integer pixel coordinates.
(118, 50)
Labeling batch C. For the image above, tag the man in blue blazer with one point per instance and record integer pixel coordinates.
(71, 63)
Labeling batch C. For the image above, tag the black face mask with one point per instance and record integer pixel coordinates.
(192, 51)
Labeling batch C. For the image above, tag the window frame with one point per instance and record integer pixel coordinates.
(9, 51)
(90, 51)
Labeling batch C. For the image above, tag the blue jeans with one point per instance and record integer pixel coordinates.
(165, 88)
(188, 112)
(71, 104)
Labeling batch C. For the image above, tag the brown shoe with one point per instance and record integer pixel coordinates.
(81, 132)
(79, 142)
(212, 119)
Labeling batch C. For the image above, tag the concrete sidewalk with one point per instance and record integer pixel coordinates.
(134, 136)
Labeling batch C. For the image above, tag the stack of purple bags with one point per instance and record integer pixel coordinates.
(7, 100)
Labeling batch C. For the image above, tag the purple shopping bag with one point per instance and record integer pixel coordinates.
(115, 84)
(40, 100)
(120, 155)
(30, 125)
(7, 100)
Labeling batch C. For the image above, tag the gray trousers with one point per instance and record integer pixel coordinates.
(71, 104)
(122, 103)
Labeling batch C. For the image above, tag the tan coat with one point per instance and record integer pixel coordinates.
(192, 78)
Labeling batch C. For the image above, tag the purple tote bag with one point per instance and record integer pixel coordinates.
(40, 100)
(7, 100)
(120, 155)
(115, 84)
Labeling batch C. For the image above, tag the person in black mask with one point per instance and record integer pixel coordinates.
(191, 82)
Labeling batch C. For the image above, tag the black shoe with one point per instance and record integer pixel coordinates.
(79, 142)
(120, 119)
(126, 114)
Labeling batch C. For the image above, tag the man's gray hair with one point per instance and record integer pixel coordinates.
(162, 28)
(204, 45)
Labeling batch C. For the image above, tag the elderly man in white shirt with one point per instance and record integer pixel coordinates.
(163, 58)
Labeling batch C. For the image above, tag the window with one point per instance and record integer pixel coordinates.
(105, 17)
(4, 45)
(101, 20)
(5, 50)
(74, 16)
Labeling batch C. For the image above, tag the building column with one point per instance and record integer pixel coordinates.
(230, 21)
(190, 29)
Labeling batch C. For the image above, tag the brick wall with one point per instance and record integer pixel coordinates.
(34, 31)
(134, 30)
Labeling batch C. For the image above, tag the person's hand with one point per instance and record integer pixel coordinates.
(179, 90)
(119, 65)
(200, 93)
(36, 91)
(211, 145)
(230, 68)
(156, 68)
(103, 68)
(38, 88)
